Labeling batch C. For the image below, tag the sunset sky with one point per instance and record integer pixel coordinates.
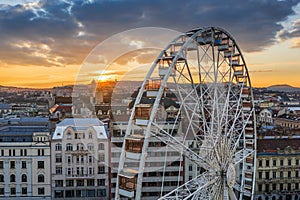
(48, 43)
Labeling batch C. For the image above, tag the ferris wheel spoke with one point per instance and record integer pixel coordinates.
(241, 155)
(186, 191)
(231, 194)
(178, 145)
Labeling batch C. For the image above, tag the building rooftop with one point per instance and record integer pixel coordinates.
(80, 124)
(20, 133)
(272, 145)
(4, 106)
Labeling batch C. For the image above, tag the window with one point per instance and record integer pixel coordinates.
(41, 152)
(289, 174)
(297, 174)
(12, 178)
(1, 178)
(1, 191)
(101, 182)
(12, 164)
(281, 162)
(90, 135)
(25, 152)
(101, 157)
(259, 175)
(80, 182)
(41, 178)
(41, 191)
(58, 147)
(259, 187)
(101, 169)
(297, 162)
(101, 193)
(21, 152)
(69, 183)
(267, 175)
(1, 164)
(69, 147)
(2, 152)
(274, 163)
(69, 136)
(101, 146)
(13, 191)
(58, 193)
(58, 170)
(24, 165)
(24, 190)
(69, 159)
(274, 174)
(190, 168)
(69, 171)
(260, 163)
(59, 183)
(58, 158)
(41, 165)
(267, 163)
(24, 178)
(289, 162)
(90, 182)
(281, 174)
(90, 147)
(80, 146)
(90, 159)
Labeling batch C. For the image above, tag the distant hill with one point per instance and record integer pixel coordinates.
(18, 89)
(283, 88)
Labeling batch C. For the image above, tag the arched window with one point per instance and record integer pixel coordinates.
(69, 136)
(69, 147)
(24, 178)
(58, 147)
(101, 146)
(90, 146)
(1, 178)
(41, 178)
(90, 135)
(12, 178)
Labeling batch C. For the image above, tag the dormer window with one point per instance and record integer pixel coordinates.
(69, 136)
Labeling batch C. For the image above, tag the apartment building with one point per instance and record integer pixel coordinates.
(25, 162)
(80, 160)
(278, 168)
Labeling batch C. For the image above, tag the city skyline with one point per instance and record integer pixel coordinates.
(46, 44)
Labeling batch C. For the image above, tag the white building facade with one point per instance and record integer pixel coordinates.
(25, 162)
(80, 160)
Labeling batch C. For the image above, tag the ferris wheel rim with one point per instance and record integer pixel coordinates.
(167, 76)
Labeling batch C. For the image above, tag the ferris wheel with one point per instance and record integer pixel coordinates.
(203, 76)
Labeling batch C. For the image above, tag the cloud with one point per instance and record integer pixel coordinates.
(293, 33)
(70, 29)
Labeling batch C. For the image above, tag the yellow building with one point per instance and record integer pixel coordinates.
(278, 168)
